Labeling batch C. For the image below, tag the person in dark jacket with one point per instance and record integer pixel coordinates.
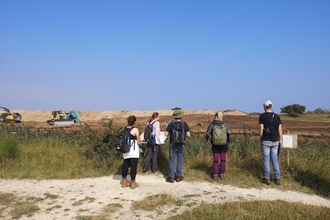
(219, 151)
(176, 150)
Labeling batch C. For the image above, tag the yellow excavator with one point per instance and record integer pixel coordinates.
(8, 116)
(59, 118)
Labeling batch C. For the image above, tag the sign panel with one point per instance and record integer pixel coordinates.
(290, 141)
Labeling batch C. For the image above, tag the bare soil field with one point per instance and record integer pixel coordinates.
(239, 122)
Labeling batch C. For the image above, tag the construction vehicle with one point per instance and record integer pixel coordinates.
(9, 117)
(59, 118)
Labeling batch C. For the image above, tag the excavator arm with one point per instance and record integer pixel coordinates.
(4, 109)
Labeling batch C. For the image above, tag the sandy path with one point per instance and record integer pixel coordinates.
(85, 197)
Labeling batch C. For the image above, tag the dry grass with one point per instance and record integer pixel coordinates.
(154, 202)
(255, 210)
(17, 206)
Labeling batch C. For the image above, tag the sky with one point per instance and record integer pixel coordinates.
(101, 55)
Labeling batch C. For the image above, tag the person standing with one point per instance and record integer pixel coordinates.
(178, 130)
(131, 158)
(153, 148)
(270, 133)
(219, 150)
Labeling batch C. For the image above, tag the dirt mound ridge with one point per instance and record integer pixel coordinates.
(43, 116)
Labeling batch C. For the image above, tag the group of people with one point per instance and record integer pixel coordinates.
(270, 133)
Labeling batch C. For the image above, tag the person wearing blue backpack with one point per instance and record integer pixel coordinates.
(218, 137)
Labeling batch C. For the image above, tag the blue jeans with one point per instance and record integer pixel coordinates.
(269, 152)
(176, 153)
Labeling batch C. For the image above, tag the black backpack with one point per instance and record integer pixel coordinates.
(177, 135)
(148, 132)
(124, 142)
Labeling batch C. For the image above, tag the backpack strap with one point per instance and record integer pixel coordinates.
(152, 123)
(134, 139)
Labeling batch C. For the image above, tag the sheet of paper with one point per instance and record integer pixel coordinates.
(161, 136)
(287, 141)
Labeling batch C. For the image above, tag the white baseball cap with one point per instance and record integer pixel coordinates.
(267, 103)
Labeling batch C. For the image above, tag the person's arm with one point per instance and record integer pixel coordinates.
(187, 129)
(227, 133)
(167, 129)
(261, 130)
(137, 135)
(280, 133)
(208, 132)
(157, 130)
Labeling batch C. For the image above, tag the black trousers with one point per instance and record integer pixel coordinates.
(130, 163)
(152, 155)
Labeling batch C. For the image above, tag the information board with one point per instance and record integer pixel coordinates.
(290, 141)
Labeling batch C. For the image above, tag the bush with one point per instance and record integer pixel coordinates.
(8, 148)
(293, 110)
(319, 111)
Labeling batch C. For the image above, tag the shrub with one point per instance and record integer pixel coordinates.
(100, 142)
(8, 148)
(319, 111)
(293, 110)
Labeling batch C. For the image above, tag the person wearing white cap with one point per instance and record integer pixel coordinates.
(270, 133)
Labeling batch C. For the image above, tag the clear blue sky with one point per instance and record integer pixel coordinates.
(150, 55)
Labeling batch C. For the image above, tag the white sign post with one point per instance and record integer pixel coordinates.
(290, 141)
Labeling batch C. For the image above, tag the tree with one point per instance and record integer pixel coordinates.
(293, 110)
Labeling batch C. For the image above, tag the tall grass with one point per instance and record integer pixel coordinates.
(90, 152)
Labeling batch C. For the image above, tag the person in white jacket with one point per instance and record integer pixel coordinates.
(154, 147)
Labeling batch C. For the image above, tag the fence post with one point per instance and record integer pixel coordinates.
(288, 153)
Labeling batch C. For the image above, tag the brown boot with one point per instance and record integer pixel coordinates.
(278, 182)
(222, 176)
(134, 185)
(265, 181)
(215, 177)
(125, 183)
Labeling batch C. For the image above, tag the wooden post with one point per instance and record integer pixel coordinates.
(287, 157)
(287, 153)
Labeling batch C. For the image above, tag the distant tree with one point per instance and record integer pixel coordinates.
(319, 111)
(293, 110)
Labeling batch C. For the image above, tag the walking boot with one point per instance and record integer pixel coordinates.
(134, 185)
(278, 182)
(215, 177)
(222, 176)
(178, 178)
(170, 180)
(265, 181)
(125, 183)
